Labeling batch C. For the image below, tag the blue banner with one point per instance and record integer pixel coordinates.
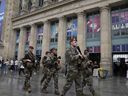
(72, 28)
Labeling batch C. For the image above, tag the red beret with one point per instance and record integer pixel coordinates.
(52, 49)
(31, 47)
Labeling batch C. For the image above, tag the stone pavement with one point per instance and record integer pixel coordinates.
(11, 85)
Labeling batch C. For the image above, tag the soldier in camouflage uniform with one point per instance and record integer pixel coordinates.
(72, 56)
(53, 67)
(28, 61)
(87, 72)
(45, 62)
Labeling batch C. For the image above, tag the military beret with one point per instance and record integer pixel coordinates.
(31, 47)
(47, 52)
(51, 50)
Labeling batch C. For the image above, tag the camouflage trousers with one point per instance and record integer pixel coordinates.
(45, 73)
(88, 80)
(28, 74)
(73, 77)
(52, 73)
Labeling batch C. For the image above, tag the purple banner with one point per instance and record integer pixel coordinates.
(39, 33)
(120, 20)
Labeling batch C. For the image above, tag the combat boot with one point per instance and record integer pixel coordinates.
(29, 90)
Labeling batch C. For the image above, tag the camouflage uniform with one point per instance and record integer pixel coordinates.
(73, 73)
(45, 68)
(28, 69)
(87, 72)
(52, 73)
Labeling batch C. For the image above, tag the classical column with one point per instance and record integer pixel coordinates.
(24, 6)
(81, 36)
(13, 44)
(34, 5)
(33, 36)
(21, 48)
(46, 38)
(62, 38)
(10, 51)
(106, 50)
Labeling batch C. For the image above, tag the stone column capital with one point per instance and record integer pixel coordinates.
(33, 25)
(82, 13)
(61, 17)
(22, 28)
(103, 8)
(45, 21)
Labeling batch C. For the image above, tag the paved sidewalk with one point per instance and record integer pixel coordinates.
(11, 85)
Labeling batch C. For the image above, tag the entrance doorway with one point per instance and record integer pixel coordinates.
(95, 57)
(120, 64)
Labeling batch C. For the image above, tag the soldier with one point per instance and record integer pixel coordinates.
(53, 67)
(72, 56)
(45, 62)
(87, 72)
(28, 61)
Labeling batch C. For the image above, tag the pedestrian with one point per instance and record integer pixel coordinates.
(16, 65)
(72, 57)
(21, 69)
(11, 65)
(6, 64)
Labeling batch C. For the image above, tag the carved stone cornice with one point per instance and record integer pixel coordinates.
(64, 8)
(44, 9)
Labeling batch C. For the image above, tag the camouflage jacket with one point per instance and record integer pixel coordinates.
(72, 57)
(47, 61)
(29, 56)
(55, 62)
(87, 68)
(85, 62)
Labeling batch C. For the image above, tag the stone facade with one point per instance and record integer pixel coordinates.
(59, 9)
(8, 34)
